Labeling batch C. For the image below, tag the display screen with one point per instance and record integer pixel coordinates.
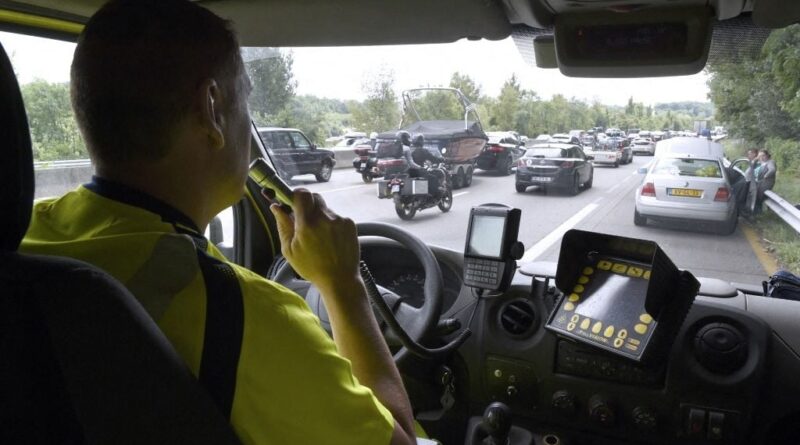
(486, 236)
(639, 41)
(606, 307)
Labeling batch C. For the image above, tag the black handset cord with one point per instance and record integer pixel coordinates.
(386, 313)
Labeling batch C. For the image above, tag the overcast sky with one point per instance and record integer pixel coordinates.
(340, 72)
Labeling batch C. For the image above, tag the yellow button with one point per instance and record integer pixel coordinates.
(609, 332)
(635, 272)
(622, 334)
(619, 268)
(575, 318)
(604, 265)
(646, 275)
(571, 327)
(640, 328)
(646, 318)
(588, 271)
(597, 327)
(618, 342)
(583, 279)
(574, 298)
(585, 323)
(577, 289)
(634, 341)
(631, 347)
(569, 306)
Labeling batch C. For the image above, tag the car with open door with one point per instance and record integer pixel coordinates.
(598, 335)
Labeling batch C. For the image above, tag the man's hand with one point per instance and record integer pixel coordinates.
(320, 245)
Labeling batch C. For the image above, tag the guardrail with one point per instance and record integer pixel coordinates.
(783, 208)
(41, 165)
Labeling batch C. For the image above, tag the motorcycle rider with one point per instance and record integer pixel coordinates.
(417, 155)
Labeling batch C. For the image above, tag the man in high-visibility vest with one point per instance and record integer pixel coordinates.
(160, 94)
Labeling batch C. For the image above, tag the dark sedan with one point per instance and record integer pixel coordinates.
(555, 165)
(501, 152)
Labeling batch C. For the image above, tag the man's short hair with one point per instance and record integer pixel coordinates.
(136, 71)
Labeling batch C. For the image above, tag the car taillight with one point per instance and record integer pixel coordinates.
(723, 194)
(496, 148)
(567, 164)
(384, 163)
(649, 189)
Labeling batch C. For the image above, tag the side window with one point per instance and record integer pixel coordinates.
(281, 140)
(266, 138)
(301, 143)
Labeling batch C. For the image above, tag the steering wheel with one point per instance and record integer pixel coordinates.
(416, 322)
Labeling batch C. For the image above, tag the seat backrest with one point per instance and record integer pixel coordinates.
(80, 360)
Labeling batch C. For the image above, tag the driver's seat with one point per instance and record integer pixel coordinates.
(80, 360)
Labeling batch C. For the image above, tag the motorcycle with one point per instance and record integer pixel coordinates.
(366, 163)
(411, 193)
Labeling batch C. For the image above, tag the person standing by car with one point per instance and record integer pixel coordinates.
(765, 177)
(750, 177)
(160, 93)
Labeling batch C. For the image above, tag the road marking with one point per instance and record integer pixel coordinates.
(459, 194)
(546, 242)
(617, 185)
(767, 262)
(342, 188)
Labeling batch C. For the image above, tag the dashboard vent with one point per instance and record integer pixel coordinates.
(518, 318)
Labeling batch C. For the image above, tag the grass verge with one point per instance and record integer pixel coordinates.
(778, 238)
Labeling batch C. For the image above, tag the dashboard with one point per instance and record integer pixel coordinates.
(728, 378)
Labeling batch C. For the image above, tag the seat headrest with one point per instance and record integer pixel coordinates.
(16, 164)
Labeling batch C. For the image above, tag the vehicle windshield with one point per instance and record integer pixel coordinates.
(313, 102)
(702, 168)
(545, 153)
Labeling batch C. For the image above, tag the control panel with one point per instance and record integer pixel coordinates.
(578, 360)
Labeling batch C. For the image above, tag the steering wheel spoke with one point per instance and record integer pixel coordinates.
(416, 322)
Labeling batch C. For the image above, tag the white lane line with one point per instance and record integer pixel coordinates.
(342, 188)
(619, 184)
(459, 194)
(546, 242)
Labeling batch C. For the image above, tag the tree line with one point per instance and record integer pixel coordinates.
(757, 96)
(274, 102)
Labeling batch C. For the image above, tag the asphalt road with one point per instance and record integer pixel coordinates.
(607, 207)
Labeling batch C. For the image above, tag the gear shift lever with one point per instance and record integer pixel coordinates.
(497, 423)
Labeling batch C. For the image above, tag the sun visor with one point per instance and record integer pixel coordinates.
(647, 43)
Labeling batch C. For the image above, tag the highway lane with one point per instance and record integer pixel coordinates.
(607, 207)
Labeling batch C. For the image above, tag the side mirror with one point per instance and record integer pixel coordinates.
(313, 146)
(642, 171)
(590, 158)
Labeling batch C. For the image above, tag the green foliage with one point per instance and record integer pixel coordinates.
(467, 86)
(54, 132)
(380, 111)
(270, 72)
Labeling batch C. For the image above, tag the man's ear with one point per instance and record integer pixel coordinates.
(212, 118)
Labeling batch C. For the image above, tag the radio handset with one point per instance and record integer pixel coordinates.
(273, 187)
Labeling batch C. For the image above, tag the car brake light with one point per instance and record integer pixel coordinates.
(723, 194)
(567, 164)
(496, 148)
(649, 189)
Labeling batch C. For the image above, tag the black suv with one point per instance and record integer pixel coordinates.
(293, 154)
(501, 152)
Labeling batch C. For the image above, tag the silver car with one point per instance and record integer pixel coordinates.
(690, 189)
(643, 145)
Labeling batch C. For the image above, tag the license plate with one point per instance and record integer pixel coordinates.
(395, 189)
(541, 178)
(363, 164)
(691, 193)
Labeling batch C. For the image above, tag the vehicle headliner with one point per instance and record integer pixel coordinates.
(281, 23)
